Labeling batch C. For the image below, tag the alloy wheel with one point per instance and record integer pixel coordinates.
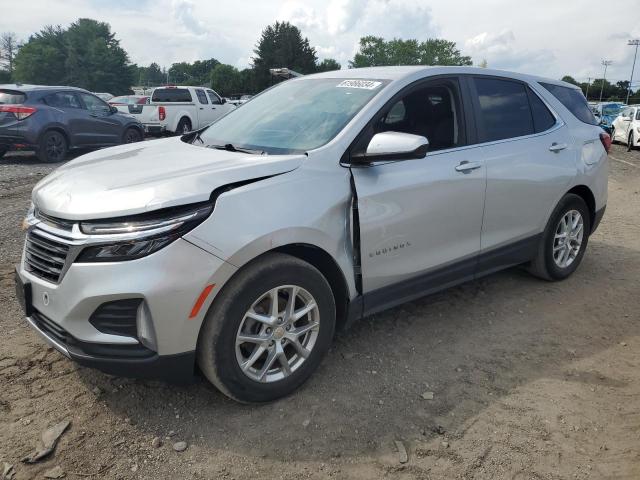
(567, 240)
(55, 147)
(277, 334)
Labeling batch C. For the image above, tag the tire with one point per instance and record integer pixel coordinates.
(184, 126)
(630, 142)
(613, 135)
(545, 265)
(218, 356)
(53, 147)
(131, 135)
(3, 151)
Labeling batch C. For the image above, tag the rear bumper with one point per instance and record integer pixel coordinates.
(16, 142)
(153, 129)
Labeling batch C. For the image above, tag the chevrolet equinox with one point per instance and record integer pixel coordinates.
(242, 247)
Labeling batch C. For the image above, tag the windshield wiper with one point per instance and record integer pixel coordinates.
(229, 147)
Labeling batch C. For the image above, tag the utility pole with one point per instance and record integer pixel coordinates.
(588, 85)
(606, 63)
(636, 43)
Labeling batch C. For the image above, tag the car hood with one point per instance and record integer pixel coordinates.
(146, 176)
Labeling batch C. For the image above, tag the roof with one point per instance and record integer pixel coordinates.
(23, 87)
(406, 72)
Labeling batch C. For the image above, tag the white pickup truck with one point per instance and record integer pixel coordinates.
(180, 109)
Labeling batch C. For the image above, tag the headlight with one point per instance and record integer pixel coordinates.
(151, 232)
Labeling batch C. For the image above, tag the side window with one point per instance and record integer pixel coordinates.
(202, 97)
(504, 109)
(573, 100)
(543, 119)
(63, 100)
(95, 105)
(432, 111)
(215, 99)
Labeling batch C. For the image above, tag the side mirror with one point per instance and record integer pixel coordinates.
(394, 146)
(113, 109)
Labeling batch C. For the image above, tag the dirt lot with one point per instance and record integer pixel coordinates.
(530, 380)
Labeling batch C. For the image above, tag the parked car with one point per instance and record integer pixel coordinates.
(104, 96)
(246, 246)
(606, 113)
(130, 103)
(626, 127)
(53, 120)
(181, 109)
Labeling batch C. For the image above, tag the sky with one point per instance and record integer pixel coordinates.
(545, 37)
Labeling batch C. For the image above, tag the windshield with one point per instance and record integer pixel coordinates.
(612, 109)
(295, 116)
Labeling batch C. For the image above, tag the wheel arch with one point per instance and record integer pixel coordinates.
(56, 128)
(180, 116)
(589, 198)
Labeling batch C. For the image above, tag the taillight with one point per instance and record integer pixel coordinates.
(19, 111)
(162, 114)
(606, 141)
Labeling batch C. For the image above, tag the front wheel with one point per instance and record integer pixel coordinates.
(564, 240)
(630, 142)
(3, 151)
(268, 330)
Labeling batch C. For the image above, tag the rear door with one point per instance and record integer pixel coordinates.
(420, 220)
(100, 126)
(529, 159)
(70, 112)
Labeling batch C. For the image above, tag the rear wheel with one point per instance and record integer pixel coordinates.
(184, 126)
(53, 147)
(3, 151)
(132, 135)
(268, 330)
(564, 240)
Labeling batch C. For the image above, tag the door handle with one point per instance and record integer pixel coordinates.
(556, 147)
(201, 108)
(465, 166)
(213, 108)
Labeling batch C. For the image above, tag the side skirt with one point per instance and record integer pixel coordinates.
(442, 278)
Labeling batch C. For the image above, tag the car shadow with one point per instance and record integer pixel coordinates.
(470, 346)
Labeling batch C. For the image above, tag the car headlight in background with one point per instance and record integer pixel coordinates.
(145, 234)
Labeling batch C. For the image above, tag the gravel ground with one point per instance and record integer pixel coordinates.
(530, 380)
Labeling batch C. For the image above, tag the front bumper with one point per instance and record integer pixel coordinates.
(168, 282)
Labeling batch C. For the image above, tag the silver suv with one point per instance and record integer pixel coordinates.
(241, 248)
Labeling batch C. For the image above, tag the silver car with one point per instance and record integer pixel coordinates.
(243, 247)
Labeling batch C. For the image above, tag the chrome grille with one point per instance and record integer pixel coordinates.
(44, 257)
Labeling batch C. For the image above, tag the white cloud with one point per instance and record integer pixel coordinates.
(546, 37)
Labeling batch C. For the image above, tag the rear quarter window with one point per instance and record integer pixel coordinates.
(573, 100)
(168, 95)
(12, 97)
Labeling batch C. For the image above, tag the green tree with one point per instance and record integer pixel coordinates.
(569, 79)
(85, 55)
(9, 46)
(282, 45)
(226, 80)
(376, 51)
(42, 59)
(327, 65)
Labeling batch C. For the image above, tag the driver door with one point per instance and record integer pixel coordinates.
(420, 220)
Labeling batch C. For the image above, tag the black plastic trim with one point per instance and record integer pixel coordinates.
(598, 218)
(444, 277)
